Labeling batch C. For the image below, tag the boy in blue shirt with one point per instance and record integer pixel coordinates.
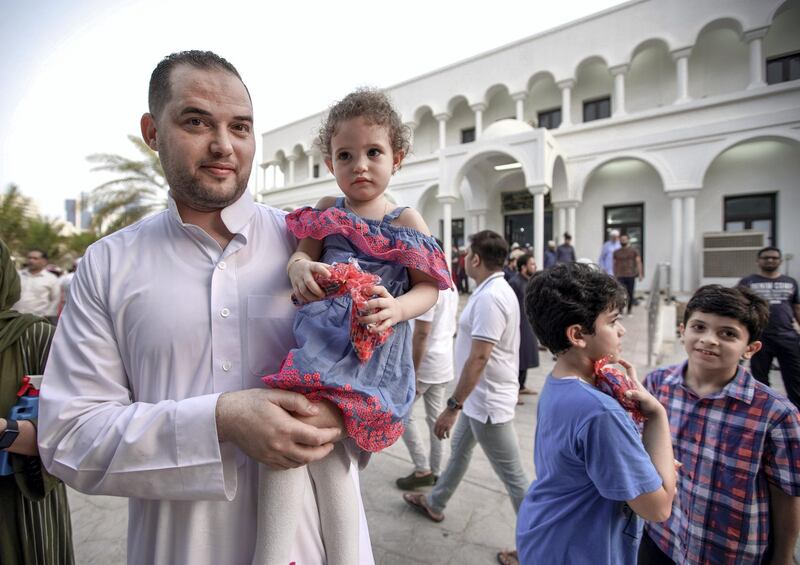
(595, 473)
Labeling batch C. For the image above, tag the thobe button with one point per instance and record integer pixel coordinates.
(224, 312)
(222, 265)
(226, 365)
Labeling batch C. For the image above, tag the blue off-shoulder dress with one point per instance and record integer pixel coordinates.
(375, 397)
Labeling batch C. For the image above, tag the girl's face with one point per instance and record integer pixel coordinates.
(362, 159)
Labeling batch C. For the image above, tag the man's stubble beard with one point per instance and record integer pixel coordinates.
(191, 192)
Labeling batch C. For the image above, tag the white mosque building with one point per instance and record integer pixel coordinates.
(668, 120)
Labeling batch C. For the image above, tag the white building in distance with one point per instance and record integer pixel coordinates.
(666, 120)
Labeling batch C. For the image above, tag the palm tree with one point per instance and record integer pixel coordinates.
(139, 191)
(14, 218)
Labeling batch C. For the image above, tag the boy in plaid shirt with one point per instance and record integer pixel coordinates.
(738, 441)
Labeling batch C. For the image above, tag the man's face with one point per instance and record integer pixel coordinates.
(36, 262)
(769, 261)
(529, 268)
(623, 240)
(204, 137)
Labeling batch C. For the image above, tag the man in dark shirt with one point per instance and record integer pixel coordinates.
(780, 339)
(528, 344)
(565, 253)
(628, 266)
(550, 254)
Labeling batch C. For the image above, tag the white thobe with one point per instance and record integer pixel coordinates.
(159, 321)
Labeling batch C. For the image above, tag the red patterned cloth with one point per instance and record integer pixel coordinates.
(613, 379)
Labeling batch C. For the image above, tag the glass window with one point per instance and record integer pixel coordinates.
(751, 212)
(783, 68)
(467, 135)
(627, 219)
(549, 119)
(596, 109)
(315, 172)
(457, 227)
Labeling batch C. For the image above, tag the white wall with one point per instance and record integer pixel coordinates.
(651, 79)
(784, 33)
(426, 136)
(626, 181)
(750, 168)
(593, 81)
(719, 63)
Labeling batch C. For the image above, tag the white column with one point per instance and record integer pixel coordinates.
(677, 244)
(442, 119)
(561, 226)
(538, 222)
(571, 222)
(478, 108)
(519, 101)
(311, 155)
(447, 220)
(754, 41)
(274, 175)
(475, 223)
(412, 126)
(689, 244)
(482, 221)
(618, 72)
(291, 159)
(264, 167)
(566, 87)
(681, 58)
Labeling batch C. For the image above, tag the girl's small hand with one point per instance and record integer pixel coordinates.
(648, 404)
(301, 275)
(385, 310)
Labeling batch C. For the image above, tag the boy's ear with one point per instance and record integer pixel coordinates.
(575, 336)
(329, 165)
(752, 348)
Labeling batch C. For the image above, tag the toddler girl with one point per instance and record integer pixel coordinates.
(363, 143)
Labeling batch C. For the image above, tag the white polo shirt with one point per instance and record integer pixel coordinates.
(492, 314)
(436, 365)
(40, 293)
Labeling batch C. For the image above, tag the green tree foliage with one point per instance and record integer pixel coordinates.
(139, 190)
(13, 217)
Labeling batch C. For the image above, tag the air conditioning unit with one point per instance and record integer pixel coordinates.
(729, 256)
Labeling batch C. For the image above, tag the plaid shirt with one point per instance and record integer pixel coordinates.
(731, 445)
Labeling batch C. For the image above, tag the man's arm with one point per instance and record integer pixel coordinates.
(785, 522)
(419, 341)
(473, 369)
(639, 269)
(54, 296)
(796, 308)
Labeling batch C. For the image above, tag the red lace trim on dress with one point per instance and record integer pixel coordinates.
(308, 222)
(371, 426)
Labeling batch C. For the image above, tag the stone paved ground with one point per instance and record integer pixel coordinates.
(479, 519)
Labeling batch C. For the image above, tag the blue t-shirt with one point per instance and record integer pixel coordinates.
(589, 460)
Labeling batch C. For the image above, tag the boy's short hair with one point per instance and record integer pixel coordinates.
(490, 247)
(739, 303)
(568, 294)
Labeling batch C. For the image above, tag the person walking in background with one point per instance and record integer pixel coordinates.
(461, 273)
(606, 260)
(486, 352)
(565, 253)
(627, 266)
(528, 344)
(550, 254)
(41, 292)
(780, 338)
(432, 352)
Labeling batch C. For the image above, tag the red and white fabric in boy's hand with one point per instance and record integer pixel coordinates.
(348, 278)
(612, 379)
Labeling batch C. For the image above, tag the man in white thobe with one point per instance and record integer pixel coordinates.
(40, 291)
(152, 389)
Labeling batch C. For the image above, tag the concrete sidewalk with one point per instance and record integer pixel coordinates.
(479, 519)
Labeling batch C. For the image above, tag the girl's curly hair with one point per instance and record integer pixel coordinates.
(374, 106)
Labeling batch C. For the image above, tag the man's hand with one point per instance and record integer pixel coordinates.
(444, 423)
(263, 423)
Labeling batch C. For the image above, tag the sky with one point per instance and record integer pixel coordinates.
(75, 72)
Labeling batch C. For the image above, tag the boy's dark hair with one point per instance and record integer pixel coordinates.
(490, 247)
(569, 294)
(739, 303)
(522, 260)
(160, 87)
(375, 107)
(769, 248)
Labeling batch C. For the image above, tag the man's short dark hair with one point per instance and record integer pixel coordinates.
(490, 247)
(37, 250)
(522, 260)
(160, 87)
(769, 248)
(569, 294)
(739, 303)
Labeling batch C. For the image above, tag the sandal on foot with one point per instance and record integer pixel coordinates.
(416, 500)
(508, 557)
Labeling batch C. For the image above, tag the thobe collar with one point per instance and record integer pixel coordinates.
(236, 217)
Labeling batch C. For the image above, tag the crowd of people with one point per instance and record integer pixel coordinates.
(236, 423)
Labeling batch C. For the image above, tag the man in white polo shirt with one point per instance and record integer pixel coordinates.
(40, 289)
(487, 361)
(432, 343)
